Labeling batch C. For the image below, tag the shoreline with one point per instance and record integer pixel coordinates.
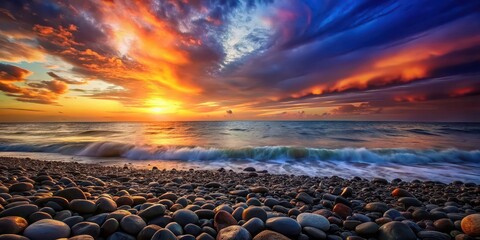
(111, 202)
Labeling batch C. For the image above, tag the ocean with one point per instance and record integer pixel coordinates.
(426, 151)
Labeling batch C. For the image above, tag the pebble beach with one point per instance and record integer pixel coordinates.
(69, 200)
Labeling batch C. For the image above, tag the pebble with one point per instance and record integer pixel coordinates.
(152, 211)
(367, 228)
(254, 211)
(123, 236)
(148, 232)
(270, 235)
(71, 193)
(20, 187)
(184, 217)
(433, 235)
(12, 237)
(313, 220)
(399, 192)
(23, 211)
(376, 207)
(47, 229)
(83, 206)
(12, 224)
(109, 227)
(284, 225)
(223, 219)
(396, 231)
(254, 226)
(164, 234)
(342, 210)
(132, 224)
(234, 232)
(471, 225)
(304, 197)
(204, 205)
(86, 228)
(105, 205)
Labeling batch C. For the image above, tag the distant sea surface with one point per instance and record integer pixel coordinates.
(427, 151)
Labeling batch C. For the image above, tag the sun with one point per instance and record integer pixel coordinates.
(158, 105)
(156, 110)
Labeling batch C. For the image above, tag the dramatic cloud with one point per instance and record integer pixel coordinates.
(335, 59)
(12, 73)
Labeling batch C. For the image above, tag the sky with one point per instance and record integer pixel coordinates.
(92, 60)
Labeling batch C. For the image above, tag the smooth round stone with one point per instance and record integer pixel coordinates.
(175, 228)
(259, 189)
(314, 233)
(12, 225)
(21, 211)
(409, 201)
(82, 206)
(205, 213)
(109, 227)
(234, 232)
(82, 237)
(47, 229)
(148, 232)
(151, 212)
(20, 187)
(205, 236)
(284, 225)
(170, 196)
(396, 231)
(164, 234)
(63, 215)
(367, 228)
(433, 235)
(392, 213)
(444, 225)
(124, 200)
(399, 192)
(254, 211)
(132, 224)
(313, 220)
(105, 205)
(270, 235)
(270, 202)
(192, 229)
(118, 214)
(37, 216)
(71, 193)
(376, 207)
(184, 217)
(223, 219)
(471, 225)
(73, 220)
(98, 219)
(121, 236)
(342, 210)
(304, 197)
(254, 226)
(12, 237)
(350, 224)
(86, 228)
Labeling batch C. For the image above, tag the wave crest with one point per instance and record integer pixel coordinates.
(283, 153)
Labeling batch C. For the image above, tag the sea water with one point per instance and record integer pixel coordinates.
(428, 151)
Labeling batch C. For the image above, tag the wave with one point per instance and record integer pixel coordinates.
(261, 154)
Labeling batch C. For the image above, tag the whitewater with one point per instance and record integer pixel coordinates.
(427, 151)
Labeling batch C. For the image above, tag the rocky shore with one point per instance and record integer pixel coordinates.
(68, 200)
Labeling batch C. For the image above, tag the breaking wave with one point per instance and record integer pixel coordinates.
(266, 153)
